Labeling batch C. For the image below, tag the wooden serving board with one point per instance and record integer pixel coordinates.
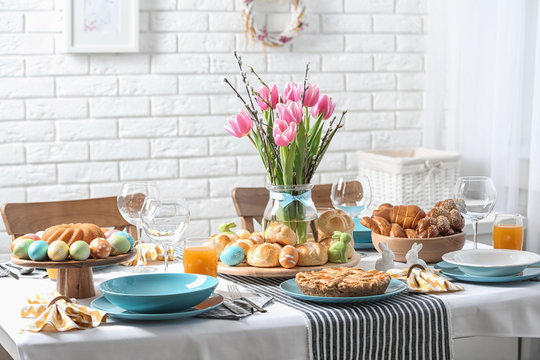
(280, 272)
(74, 278)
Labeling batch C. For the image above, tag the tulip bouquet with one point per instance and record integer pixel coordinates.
(291, 131)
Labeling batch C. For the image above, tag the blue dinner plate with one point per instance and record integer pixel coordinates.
(454, 272)
(290, 288)
(101, 303)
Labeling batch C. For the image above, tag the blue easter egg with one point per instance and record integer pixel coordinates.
(127, 236)
(37, 250)
(232, 255)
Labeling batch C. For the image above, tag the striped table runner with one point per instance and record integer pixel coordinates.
(405, 326)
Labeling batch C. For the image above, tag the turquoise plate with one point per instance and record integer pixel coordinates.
(101, 303)
(453, 272)
(289, 287)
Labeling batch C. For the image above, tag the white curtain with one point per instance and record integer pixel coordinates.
(483, 96)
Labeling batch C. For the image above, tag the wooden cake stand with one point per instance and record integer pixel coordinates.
(280, 272)
(74, 278)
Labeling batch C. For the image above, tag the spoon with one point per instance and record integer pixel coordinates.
(22, 270)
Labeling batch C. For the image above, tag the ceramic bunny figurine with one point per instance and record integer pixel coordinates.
(386, 261)
(412, 256)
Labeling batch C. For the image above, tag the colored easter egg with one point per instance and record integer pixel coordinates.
(58, 251)
(119, 244)
(100, 248)
(33, 236)
(20, 248)
(37, 250)
(17, 239)
(79, 250)
(127, 236)
(232, 255)
(40, 233)
(288, 257)
(110, 232)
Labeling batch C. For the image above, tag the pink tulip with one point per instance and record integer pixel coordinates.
(291, 92)
(312, 94)
(291, 112)
(240, 124)
(284, 133)
(268, 97)
(324, 106)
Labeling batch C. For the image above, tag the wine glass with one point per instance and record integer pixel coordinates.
(130, 202)
(351, 194)
(164, 221)
(475, 197)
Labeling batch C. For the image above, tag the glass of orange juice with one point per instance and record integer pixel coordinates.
(200, 256)
(508, 232)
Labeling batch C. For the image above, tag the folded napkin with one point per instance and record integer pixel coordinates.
(420, 280)
(59, 313)
(152, 252)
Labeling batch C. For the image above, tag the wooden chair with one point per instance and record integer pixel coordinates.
(251, 202)
(24, 218)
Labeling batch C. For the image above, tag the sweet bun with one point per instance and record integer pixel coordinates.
(288, 257)
(280, 233)
(312, 254)
(430, 232)
(425, 223)
(443, 225)
(221, 240)
(456, 220)
(245, 244)
(397, 231)
(264, 255)
(243, 234)
(411, 234)
(329, 242)
(370, 224)
(69, 233)
(384, 225)
(334, 220)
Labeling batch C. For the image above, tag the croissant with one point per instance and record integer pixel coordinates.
(407, 216)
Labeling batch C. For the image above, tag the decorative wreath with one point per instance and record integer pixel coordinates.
(278, 38)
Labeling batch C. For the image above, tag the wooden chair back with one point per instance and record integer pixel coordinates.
(251, 202)
(24, 218)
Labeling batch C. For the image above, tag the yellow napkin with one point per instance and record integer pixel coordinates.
(424, 281)
(59, 313)
(150, 252)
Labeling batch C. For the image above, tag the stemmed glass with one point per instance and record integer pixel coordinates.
(130, 202)
(351, 194)
(164, 221)
(475, 197)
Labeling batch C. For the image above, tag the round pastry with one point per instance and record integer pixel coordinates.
(245, 244)
(430, 232)
(257, 238)
(312, 254)
(221, 240)
(243, 234)
(443, 225)
(100, 248)
(334, 220)
(288, 257)
(69, 233)
(264, 255)
(436, 212)
(330, 241)
(456, 220)
(425, 223)
(280, 233)
(447, 205)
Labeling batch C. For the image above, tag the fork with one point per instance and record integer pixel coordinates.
(234, 292)
(4, 270)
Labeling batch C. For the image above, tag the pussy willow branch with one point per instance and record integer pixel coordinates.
(244, 78)
(305, 82)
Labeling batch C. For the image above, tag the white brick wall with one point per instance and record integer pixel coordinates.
(74, 126)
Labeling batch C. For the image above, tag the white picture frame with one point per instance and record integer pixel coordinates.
(101, 26)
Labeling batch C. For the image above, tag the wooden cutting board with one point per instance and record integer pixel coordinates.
(279, 272)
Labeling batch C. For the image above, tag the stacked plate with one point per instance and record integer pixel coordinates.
(490, 265)
(158, 296)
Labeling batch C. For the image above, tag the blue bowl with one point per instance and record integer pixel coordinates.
(158, 293)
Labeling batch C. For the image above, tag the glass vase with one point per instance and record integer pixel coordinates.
(292, 205)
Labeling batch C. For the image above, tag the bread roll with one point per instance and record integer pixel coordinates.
(221, 240)
(243, 234)
(384, 225)
(397, 231)
(370, 224)
(411, 234)
(312, 254)
(329, 242)
(280, 233)
(334, 220)
(256, 238)
(264, 255)
(245, 244)
(407, 216)
(288, 257)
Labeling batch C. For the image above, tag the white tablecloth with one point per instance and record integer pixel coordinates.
(500, 310)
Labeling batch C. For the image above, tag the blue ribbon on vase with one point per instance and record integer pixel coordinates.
(286, 198)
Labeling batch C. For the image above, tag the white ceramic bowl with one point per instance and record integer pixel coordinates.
(491, 262)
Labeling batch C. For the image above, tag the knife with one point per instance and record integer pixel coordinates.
(11, 273)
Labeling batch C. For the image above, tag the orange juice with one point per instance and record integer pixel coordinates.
(508, 237)
(200, 260)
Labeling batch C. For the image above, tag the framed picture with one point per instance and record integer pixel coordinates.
(102, 26)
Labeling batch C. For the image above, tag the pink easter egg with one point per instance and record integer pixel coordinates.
(33, 236)
(110, 232)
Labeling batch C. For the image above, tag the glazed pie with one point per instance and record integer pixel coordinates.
(343, 282)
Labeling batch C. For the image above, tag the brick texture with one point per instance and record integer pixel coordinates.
(78, 125)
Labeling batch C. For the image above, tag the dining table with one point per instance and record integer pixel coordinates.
(495, 309)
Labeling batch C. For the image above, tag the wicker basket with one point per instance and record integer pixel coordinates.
(410, 176)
